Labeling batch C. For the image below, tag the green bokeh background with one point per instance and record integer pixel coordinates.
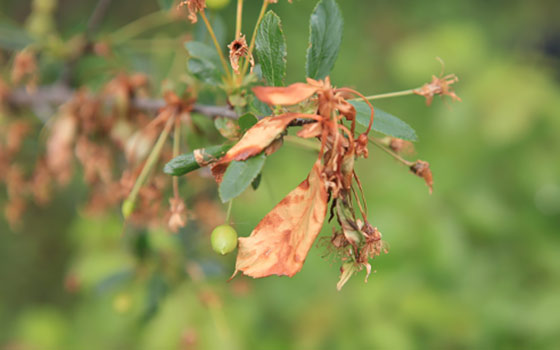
(476, 265)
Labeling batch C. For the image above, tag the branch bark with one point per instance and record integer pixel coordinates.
(56, 95)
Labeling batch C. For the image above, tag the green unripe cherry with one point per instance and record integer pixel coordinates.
(224, 239)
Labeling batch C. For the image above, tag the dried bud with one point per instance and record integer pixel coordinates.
(422, 169)
(361, 146)
(237, 49)
(194, 7)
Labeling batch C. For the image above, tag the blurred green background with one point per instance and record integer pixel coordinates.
(476, 265)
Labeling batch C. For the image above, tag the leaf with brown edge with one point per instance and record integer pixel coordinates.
(259, 137)
(284, 96)
(280, 242)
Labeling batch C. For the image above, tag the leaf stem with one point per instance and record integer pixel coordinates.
(138, 26)
(128, 204)
(176, 149)
(389, 152)
(254, 36)
(228, 213)
(239, 19)
(388, 95)
(216, 44)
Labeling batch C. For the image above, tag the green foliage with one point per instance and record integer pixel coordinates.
(383, 122)
(239, 175)
(325, 37)
(246, 121)
(166, 4)
(12, 37)
(186, 163)
(204, 62)
(270, 49)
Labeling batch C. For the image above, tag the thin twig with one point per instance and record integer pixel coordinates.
(97, 16)
(390, 152)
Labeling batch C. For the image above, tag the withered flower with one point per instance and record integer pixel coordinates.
(59, 147)
(237, 49)
(422, 169)
(25, 68)
(178, 217)
(194, 7)
(439, 86)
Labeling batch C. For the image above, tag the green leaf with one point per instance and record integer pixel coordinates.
(227, 127)
(239, 175)
(166, 4)
(246, 122)
(325, 36)
(204, 62)
(258, 107)
(383, 122)
(270, 49)
(201, 33)
(185, 163)
(13, 38)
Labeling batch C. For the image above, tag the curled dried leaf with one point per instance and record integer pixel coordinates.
(259, 137)
(311, 130)
(284, 96)
(280, 242)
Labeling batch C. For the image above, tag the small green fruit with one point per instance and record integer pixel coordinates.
(127, 208)
(224, 239)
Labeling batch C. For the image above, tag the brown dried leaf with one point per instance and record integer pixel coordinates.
(259, 137)
(59, 148)
(280, 242)
(310, 130)
(284, 96)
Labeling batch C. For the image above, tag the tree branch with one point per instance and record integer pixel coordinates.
(55, 95)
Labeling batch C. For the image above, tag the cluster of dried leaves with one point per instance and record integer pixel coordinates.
(280, 242)
(108, 141)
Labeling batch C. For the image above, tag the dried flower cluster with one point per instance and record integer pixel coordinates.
(194, 7)
(94, 134)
